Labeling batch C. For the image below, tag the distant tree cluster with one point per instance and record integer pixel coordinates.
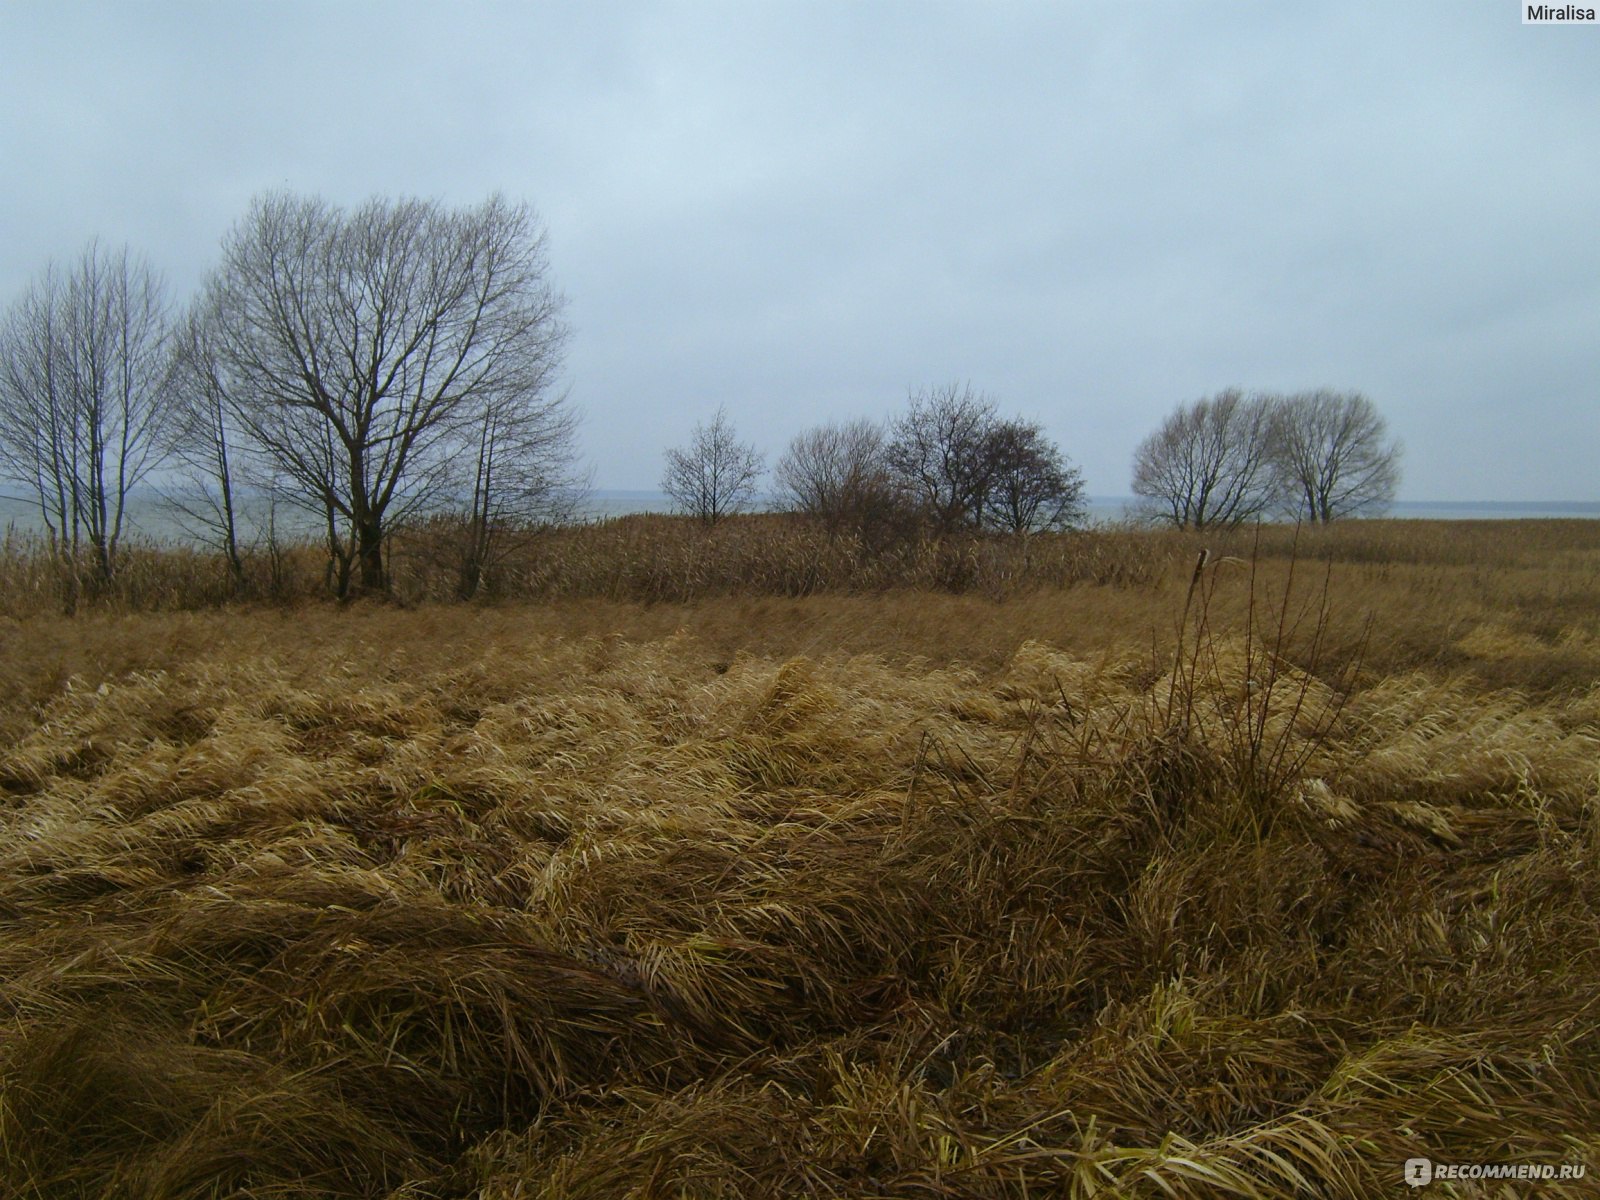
(966, 467)
(368, 367)
(948, 463)
(1231, 458)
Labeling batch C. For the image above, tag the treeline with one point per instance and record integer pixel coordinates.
(393, 369)
(950, 463)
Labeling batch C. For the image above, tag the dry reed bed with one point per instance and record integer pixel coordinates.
(443, 903)
(665, 560)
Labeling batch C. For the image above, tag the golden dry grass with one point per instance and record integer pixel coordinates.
(1111, 888)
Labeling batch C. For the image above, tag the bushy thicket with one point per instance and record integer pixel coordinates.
(662, 559)
(649, 559)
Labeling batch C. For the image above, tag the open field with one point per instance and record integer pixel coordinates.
(734, 865)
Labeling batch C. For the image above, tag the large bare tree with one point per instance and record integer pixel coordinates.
(1210, 463)
(715, 475)
(378, 348)
(85, 399)
(1333, 455)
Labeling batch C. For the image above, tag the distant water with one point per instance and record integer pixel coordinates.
(1120, 508)
(603, 504)
(150, 517)
(1490, 510)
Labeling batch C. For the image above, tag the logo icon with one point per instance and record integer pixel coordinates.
(1419, 1172)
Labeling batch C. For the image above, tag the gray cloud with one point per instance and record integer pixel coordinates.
(798, 210)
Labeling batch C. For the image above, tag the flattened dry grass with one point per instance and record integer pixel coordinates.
(914, 895)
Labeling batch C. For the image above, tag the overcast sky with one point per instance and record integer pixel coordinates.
(1092, 212)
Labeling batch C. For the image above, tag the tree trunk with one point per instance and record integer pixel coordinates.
(474, 555)
(104, 564)
(369, 558)
(470, 577)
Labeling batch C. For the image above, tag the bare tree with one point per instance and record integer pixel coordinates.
(715, 475)
(84, 398)
(1210, 463)
(1032, 486)
(376, 346)
(204, 494)
(521, 474)
(838, 474)
(938, 452)
(1333, 455)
